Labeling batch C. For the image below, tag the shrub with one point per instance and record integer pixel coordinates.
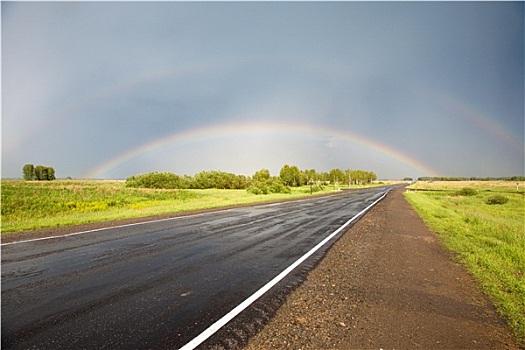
(155, 180)
(497, 199)
(313, 188)
(258, 187)
(278, 187)
(466, 191)
(268, 186)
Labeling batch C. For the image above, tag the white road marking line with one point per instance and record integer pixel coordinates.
(208, 332)
(134, 224)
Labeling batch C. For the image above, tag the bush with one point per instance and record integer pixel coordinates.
(268, 186)
(219, 179)
(466, 191)
(497, 199)
(278, 187)
(155, 180)
(313, 188)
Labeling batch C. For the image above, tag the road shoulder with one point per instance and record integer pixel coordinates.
(387, 283)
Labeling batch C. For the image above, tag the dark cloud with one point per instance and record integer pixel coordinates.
(430, 80)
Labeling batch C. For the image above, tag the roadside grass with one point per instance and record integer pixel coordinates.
(488, 238)
(486, 186)
(32, 205)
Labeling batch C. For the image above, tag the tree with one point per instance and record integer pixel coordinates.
(360, 177)
(29, 172)
(290, 175)
(348, 177)
(262, 175)
(44, 173)
(336, 176)
(309, 174)
(39, 172)
(50, 174)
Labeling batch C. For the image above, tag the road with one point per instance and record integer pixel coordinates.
(160, 284)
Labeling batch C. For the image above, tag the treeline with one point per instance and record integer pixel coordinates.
(456, 178)
(202, 180)
(39, 172)
(260, 183)
(293, 176)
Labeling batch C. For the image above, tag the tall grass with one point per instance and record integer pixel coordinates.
(488, 238)
(38, 205)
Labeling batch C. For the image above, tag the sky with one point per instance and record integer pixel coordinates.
(405, 89)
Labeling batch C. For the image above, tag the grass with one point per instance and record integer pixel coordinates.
(487, 234)
(37, 205)
(486, 186)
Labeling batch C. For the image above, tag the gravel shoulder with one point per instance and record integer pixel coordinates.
(387, 283)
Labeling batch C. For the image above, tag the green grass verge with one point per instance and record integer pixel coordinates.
(39, 205)
(488, 238)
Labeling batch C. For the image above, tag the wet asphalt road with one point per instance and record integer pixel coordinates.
(158, 284)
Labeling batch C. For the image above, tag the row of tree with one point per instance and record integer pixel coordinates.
(39, 172)
(292, 176)
(457, 178)
(260, 182)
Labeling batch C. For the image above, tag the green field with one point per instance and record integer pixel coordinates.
(33, 205)
(489, 238)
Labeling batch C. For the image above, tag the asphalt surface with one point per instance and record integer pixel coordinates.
(387, 283)
(159, 284)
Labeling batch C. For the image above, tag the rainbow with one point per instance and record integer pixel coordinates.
(449, 102)
(159, 73)
(482, 121)
(218, 131)
(473, 115)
